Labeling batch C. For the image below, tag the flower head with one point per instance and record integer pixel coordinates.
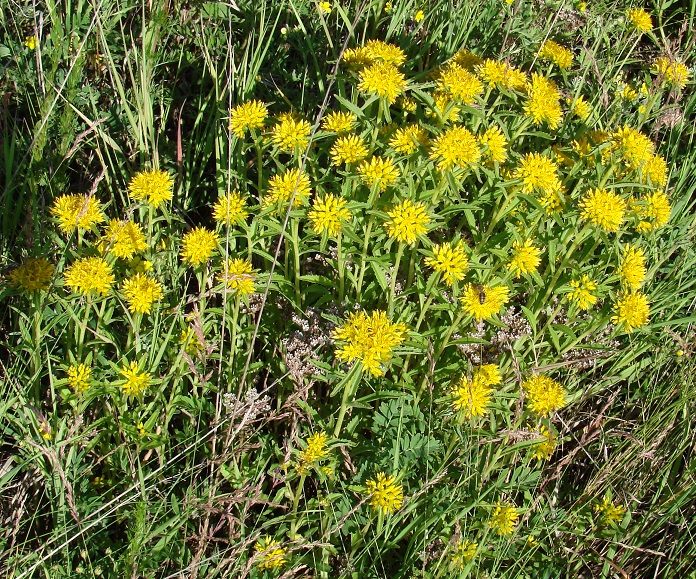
(545, 446)
(248, 115)
(348, 149)
(482, 301)
(31, 42)
(339, 122)
(316, 451)
(407, 221)
(472, 396)
(632, 271)
(458, 83)
(380, 51)
(141, 292)
(76, 211)
(609, 512)
(33, 275)
(654, 211)
(603, 208)
(639, 19)
(198, 245)
(379, 171)
(406, 140)
(525, 258)
(580, 107)
(124, 238)
(451, 262)
(383, 79)
(538, 173)
(504, 519)
(135, 380)
(291, 133)
(582, 292)
(369, 339)
(328, 214)
(293, 184)
(230, 208)
(671, 71)
(238, 276)
(152, 187)
(543, 102)
(495, 145)
(635, 147)
(79, 377)
(495, 73)
(457, 146)
(89, 275)
(385, 494)
(632, 311)
(655, 169)
(556, 53)
(324, 7)
(272, 555)
(544, 394)
(463, 553)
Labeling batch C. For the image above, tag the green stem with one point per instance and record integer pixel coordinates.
(350, 387)
(395, 273)
(259, 184)
(340, 267)
(83, 328)
(296, 254)
(363, 264)
(295, 504)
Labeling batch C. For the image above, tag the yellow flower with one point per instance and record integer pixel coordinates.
(458, 83)
(456, 147)
(556, 53)
(473, 395)
(544, 447)
(671, 71)
(141, 292)
(152, 187)
(636, 148)
(654, 211)
(466, 59)
(315, 451)
(504, 519)
(379, 171)
(79, 377)
(380, 51)
(248, 115)
(495, 73)
(543, 102)
(419, 16)
(640, 19)
(291, 133)
(339, 122)
(582, 292)
(445, 108)
(632, 311)
(45, 430)
(33, 275)
(369, 339)
(324, 7)
(538, 174)
(31, 42)
(525, 258)
(581, 7)
(603, 208)
(451, 262)
(610, 513)
(238, 276)
(656, 170)
(124, 238)
(272, 555)
(632, 271)
(348, 149)
(328, 214)
(230, 208)
(482, 301)
(580, 107)
(191, 342)
(135, 380)
(544, 394)
(463, 553)
(282, 188)
(384, 79)
(76, 211)
(89, 275)
(385, 494)
(198, 245)
(495, 145)
(406, 140)
(407, 221)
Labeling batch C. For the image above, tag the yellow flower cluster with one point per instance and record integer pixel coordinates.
(463, 553)
(406, 140)
(348, 149)
(328, 214)
(582, 292)
(134, 381)
(386, 495)
(248, 115)
(33, 275)
(315, 451)
(500, 74)
(407, 221)
(639, 19)
(339, 122)
(379, 171)
(153, 187)
(456, 147)
(609, 512)
(632, 311)
(293, 184)
(671, 71)
(472, 395)
(554, 52)
(369, 339)
(124, 238)
(458, 83)
(544, 394)
(451, 261)
(230, 208)
(198, 245)
(483, 301)
(76, 211)
(544, 448)
(291, 133)
(90, 275)
(271, 554)
(495, 145)
(79, 377)
(141, 292)
(504, 519)
(238, 277)
(525, 258)
(603, 208)
(632, 271)
(543, 102)
(383, 79)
